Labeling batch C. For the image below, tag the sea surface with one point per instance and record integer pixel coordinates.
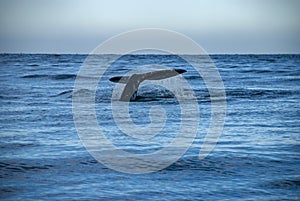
(257, 156)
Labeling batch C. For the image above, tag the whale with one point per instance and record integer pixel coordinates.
(133, 82)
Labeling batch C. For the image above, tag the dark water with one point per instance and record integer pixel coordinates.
(256, 158)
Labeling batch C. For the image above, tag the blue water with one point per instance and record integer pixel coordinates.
(256, 158)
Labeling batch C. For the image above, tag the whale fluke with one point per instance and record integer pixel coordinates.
(119, 79)
(132, 82)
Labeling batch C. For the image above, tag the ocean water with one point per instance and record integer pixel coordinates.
(256, 158)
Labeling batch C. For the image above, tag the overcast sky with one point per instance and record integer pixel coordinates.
(219, 26)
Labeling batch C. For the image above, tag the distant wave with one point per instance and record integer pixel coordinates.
(33, 65)
(20, 167)
(53, 77)
(256, 71)
(258, 93)
(289, 183)
(65, 93)
(63, 76)
(34, 76)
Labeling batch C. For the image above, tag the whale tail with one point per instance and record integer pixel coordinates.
(132, 82)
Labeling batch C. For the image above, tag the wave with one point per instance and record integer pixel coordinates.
(53, 77)
(257, 71)
(16, 145)
(33, 65)
(63, 76)
(9, 97)
(34, 76)
(288, 183)
(67, 93)
(258, 93)
(11, 167)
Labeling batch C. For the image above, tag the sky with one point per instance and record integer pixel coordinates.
(218, 26)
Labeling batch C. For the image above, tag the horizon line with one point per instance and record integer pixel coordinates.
(52, 53)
